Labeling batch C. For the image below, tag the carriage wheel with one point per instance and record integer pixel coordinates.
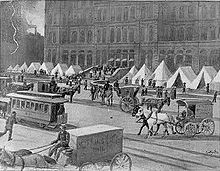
(190, 129)
(122, 162)
(208, 127)
(179, 127)
(89, 166)
(127, 104)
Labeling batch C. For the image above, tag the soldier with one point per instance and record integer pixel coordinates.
(62, 142)
(85, 85)
(165, 94)
(126, 80)
(184, 87)
(72, 91)
(207, 88)
(9, 125)
(154, 84)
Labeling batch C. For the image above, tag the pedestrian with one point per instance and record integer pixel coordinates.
(11, 120)
(142, 82)
(142, 90)
(215, 97)
(207, 88)
(165, 94)
(154, 84)
(79, 87)
(145, 91)
(85, 85)
(149, 82)
(174, 92)
(184, 87)
(71, 94)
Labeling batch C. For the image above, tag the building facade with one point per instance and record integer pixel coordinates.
(125, 33)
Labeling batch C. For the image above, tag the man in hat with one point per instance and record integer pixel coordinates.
(9, 125)
(62, 142)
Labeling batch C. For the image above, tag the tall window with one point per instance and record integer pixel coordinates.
(104, 35)
(98, 57)
(50, 37)
(104, 14)
(191, 10)
(131, 34)
(112, 35)
(143, 12)
(99, 15)
(49, 55)
(74, 37)
(89, 39)
(55, 19)
(119, 14)
(81, 36)
(118, 37)
(73, 57)
(213, 11)
(54, 37)
(81, 58)
(126, 11)
(64, 19)
(173, 13)
(113, 14)
(204, 32)
(181, 34)
(104, 56)
(151, 33)
(189, 33)
(50, 19)
(188, 58)
(132, 12)
(98, 36)
(204, 11)
(89, 58)
(124, 35)
(54, 56)
(172, 33)
(212, 36)
(65, 56)
(181, 12)
(142, 34)
(64, 37)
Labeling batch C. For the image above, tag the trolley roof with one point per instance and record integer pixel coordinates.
(40, 94)
(92, 130)
(36, 98)
(193, 101)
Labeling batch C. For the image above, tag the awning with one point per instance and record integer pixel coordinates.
(118, 59)
(110, 60)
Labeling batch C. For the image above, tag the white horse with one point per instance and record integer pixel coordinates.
(151, 118)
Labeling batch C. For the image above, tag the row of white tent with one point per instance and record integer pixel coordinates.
(48, 67)
(185, 74)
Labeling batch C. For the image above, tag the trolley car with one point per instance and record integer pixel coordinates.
(37, 109)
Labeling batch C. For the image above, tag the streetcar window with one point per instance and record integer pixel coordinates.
(28, 105)
(32, 105)
(13, 103)
(36, 106)
(41, 107)
(18, 104)
(46, 108)
(22, 104)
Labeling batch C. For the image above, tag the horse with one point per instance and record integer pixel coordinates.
(25, 158)
(155, 118)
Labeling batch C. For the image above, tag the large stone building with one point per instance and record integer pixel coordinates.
(126, 33)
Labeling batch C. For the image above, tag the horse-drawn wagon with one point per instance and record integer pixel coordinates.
(128, 98)
(195, 118)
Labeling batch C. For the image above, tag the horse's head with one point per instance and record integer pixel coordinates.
(138, 111)
(6, 158)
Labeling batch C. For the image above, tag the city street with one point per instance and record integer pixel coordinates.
(174, 152)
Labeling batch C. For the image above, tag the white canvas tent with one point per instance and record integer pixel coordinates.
(131, 73)
(182, 75)
(60, 69)
(23, 67)
(47, 66)
(144, 73)
(33, 67)
(205, 76)
(73, 69)
(161, 74)
(10, 68)
(16, 68)
(215, 84)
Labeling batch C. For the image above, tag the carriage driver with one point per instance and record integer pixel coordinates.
(62, 142)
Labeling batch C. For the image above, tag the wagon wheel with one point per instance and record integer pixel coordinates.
(208, 126)
(122, 162)
(190, 129)
(127, 104)
(179, 127)
(89, 166)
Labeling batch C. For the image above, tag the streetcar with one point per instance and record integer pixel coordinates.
(38, 108)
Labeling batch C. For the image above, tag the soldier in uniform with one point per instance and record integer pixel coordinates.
(9, 125)
(61, 142)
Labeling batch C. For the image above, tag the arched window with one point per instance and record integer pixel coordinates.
(74, 37)
(54, 56)
(81, 36)
(131, 34)
(143, 12)
(112, 35)
(213, 11)
(73, 57)
(104, 14)
(98, 57)
(172, 33)
(124, 35)
(173, 13)
(179, 60)
(99, 15)
(142, 34)
(188, 58)
(104, 35)
(54, 37)
(64, 19)
(181, 12)
(151, 33)
(104, 56)
(50, 37)
(203, 58)
(204, 11)
(212, 35)
(126, 11)
(189, 33)
(65, 56)
(204, 32)
(149, 59)
(125, 54)
(132, 12)
(81, 58)
(49, 55)
(98, 36)
(50, 19)
(89, 58)
(55, 19)
(166, 33)
(112, 14)
(119, 14)
(170, 60)
(181, 34)
(118, 37)
(64, 37)
(89, 39)
(150, 10)
(191, 10)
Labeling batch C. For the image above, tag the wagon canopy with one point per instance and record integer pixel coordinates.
(161, 74)
(182, 75)
(47, 66)
(187, 102)
(144, 73)
(205, 76)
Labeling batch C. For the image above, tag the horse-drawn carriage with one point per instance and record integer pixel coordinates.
(195, 118)
(128, 98)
